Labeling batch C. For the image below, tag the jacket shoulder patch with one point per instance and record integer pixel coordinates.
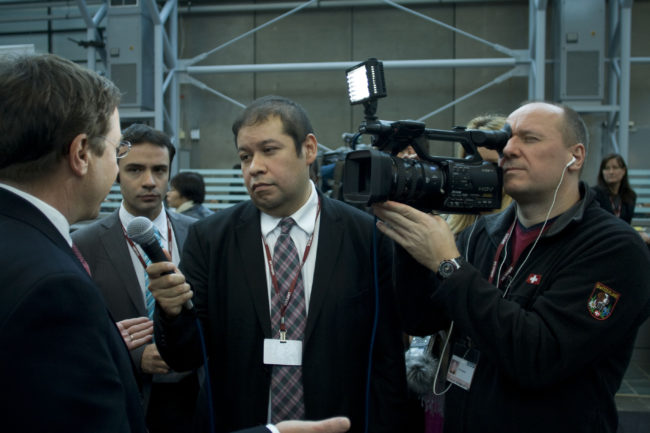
(602, 301)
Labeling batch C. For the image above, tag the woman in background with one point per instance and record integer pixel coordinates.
(613, 191)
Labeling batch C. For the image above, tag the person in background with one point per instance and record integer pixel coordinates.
(459, 222)
(613, 191)
(118, 267)
(187, 193)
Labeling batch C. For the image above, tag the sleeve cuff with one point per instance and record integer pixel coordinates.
(272, 428)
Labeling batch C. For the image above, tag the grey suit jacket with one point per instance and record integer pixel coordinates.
(102, 245)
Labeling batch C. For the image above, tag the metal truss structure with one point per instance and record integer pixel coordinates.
(170, 71)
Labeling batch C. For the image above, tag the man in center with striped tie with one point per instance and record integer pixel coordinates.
(284, 286)
(118, 267)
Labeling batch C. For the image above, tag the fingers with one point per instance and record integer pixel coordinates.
(330, 425)
(170, 290)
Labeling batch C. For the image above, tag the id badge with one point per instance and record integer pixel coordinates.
(288, 352)
(462, 366)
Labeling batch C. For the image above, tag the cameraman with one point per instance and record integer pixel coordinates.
(545, 305)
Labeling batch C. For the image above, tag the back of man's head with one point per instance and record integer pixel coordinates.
(139, 133)
(295, 122)
(45, 102)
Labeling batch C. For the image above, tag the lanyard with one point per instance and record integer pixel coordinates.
(274, 279)
(137, 251)
(497, 256)
(616, 204)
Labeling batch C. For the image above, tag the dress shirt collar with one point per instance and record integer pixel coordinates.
(51, 213)
(305, 217)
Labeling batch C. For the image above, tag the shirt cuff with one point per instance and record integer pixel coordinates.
(273, 428)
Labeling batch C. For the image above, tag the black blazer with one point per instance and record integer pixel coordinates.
(224, 262)
(63, 364)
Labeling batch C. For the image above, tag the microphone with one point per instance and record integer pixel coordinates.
(141, 230)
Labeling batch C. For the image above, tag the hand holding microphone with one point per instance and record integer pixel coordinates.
(166, 283)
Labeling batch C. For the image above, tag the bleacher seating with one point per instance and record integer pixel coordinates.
(223, 188)
(640, 182)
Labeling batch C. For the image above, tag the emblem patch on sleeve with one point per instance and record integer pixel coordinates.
(602, 301)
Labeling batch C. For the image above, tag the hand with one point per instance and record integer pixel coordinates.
(170, 291)
(152, 362)
(331, 425)
(426, 237)
(136, 331)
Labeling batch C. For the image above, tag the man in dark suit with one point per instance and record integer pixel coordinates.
(324, 310)
(118, 267)
(64, 366)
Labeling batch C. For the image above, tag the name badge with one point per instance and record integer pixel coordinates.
(287, 352)
(462, 367)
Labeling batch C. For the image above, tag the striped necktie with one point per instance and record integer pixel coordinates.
(150, 301)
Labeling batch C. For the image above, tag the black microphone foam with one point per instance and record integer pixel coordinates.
(141, 230)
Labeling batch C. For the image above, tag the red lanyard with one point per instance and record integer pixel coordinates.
(274, 279)
(137, 251)
(616, 205)
(497, 256)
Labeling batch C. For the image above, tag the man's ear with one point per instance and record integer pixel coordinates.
(579, 152)
(79, 154)
(310, 148)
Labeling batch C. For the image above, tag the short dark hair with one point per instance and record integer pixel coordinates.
(139, 133)
(45, 102)
(190, 185)
(295, 122)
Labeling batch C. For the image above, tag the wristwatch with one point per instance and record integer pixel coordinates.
(448, 267)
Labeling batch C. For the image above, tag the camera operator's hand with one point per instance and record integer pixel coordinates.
(426, 237)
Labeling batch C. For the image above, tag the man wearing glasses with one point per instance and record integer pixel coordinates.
(63, 365)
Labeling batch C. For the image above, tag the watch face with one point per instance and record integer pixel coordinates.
(447, 268)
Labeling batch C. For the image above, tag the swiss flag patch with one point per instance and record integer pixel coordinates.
(534, 279)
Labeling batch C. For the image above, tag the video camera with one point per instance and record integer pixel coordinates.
(451, 185)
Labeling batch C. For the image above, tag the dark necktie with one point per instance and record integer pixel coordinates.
(286, 381)
(83, 261)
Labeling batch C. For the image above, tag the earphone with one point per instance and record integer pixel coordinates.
(570, 163)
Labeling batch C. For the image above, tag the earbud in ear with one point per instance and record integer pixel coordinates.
(573, 160)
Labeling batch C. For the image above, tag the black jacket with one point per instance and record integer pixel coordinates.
(549, 359)
(223, 261)
(627, 208)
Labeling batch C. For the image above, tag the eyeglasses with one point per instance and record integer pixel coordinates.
(122, 148)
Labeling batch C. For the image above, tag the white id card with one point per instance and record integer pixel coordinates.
(461, 372)
(288, 352)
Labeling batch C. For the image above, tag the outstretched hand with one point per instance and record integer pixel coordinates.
(331, 425)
